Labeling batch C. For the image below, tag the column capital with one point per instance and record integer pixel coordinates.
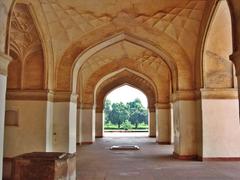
(152, 109)
(235, 58)
(185, 95)
(163, 106)
(99, 109)
(59, 96)
(39, 95)
(74, 97)
(86, 106)
(227, 93)
(4, 61)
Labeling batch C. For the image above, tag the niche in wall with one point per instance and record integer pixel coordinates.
(11, 118)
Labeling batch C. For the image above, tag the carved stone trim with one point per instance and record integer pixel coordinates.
(219, 93)
(185, 95)
(27, 95)
(61, 96)
(4, 61)
(99, 109)
(152, 109)
(86, 106)
(163, 105)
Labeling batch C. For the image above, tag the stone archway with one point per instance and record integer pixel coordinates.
(115, 81)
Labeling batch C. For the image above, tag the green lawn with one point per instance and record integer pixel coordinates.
(141, 127)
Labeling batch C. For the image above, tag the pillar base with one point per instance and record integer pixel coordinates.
(152, 136)
(86, 143)
(99, 136)
(185, 157)
(164, 143)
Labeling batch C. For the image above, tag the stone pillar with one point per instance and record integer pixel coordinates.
(64, 122)
(152, 122)
(79, 126)
(172, 125)
(99, 123)
(49, 124)
(185, 124)
(4, 61)
(220, 124)
(163, 121)
(87, 113)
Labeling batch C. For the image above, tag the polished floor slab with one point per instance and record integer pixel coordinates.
(151, 162)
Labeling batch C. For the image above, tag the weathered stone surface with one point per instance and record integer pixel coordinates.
(44, 166)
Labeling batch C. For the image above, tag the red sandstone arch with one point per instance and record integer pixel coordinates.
(161, 84)
(208, 17)
(234, 8)
(180, 69)
(44, 36)
(129, 78)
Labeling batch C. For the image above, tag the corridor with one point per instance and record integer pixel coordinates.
(152, 162)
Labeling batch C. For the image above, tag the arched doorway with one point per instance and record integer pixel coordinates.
(125, 110)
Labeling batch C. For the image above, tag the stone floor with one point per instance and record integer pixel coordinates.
(152, 162)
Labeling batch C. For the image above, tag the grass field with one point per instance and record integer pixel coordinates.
(112, 127)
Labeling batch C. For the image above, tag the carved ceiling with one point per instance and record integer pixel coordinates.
(73, 26)
(121, 52)
(125, 55)
(71, 20)
(26, 71)
(24, 37)
(4, 12)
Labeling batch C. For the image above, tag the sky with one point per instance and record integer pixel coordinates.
(126, 94)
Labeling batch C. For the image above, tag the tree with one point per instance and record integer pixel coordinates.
(126, 125)
(107, 109)
(138, 113)
(118, 114)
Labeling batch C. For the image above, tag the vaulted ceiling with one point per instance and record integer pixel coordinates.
(65, 30)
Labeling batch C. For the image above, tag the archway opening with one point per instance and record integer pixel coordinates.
(126, 112)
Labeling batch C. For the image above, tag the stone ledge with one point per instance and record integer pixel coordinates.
(185, 95)
(40, 95)
(163, 106)
(230, 93)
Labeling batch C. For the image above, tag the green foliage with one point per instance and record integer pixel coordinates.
(125, 116)
(107, 109)
(138, 113)
(126, 125)
(118, 114)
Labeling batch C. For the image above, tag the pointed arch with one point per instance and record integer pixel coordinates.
(118, 38)
(118, 79)
(44, 37)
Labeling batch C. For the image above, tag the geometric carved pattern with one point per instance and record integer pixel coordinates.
(4, 12)
(26, 71)
(24, 38)
(67, 22)
(120, 53)
(124, 55)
